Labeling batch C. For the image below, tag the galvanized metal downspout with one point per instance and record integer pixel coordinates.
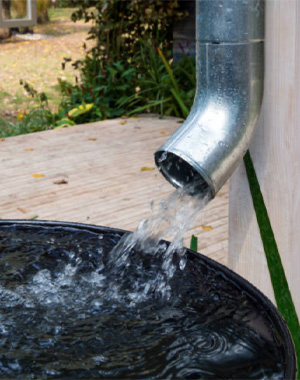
(207, 148)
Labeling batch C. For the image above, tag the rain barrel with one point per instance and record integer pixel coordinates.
(68, 311)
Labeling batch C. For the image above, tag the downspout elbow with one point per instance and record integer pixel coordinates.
(207, 148)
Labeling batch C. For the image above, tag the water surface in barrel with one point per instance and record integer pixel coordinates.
(65, 314)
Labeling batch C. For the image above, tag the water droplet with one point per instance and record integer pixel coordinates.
(163, 157)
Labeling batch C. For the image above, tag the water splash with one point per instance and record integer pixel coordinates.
(175, 216)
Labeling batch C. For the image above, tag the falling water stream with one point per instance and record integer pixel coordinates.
(76, 303)
(175, 216)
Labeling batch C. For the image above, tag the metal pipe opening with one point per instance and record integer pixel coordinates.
(180, 173)
(230, 74)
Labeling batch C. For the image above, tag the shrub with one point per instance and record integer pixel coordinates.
(105, 88)
(164, 87)
(123, 72)
(118, 25)
(63, 3)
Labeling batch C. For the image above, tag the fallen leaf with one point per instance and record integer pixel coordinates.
(124, 117)
(38, 175)
(123, 122)
(29, 150)
(162, 132)
(133, 117)
(146, 169)
(60, 182)
(2, 139)
(93, 138)
(206, 228)
(23, 210)
(126, 199)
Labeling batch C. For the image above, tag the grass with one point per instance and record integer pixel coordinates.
(60, 14)
(39, 62)
(3, 95)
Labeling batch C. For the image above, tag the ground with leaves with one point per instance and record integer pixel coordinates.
(39, 62)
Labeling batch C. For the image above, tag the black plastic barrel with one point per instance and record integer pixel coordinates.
(20, 276)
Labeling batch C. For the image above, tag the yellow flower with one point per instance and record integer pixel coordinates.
(20, 116)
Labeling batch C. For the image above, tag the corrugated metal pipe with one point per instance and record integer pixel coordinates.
(208, 146)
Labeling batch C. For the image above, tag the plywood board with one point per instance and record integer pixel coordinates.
(276, 156)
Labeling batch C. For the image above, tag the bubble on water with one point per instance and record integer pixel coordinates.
(3, 330)
(100, 359)
(42, 278)
(10, 298)
(182, 263)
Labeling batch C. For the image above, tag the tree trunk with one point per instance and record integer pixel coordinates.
(43, 17)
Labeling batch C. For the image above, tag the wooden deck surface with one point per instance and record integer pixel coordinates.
(101, 164)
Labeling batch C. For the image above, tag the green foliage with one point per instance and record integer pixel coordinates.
(165, 87)
(126, 71)
(42, 117)
(34, 121)
(118, 25)
(149, 83)
(107, 90)
(63, 3)
(37, 119)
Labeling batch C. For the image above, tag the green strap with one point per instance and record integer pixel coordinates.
(282, 292)
(194, 243)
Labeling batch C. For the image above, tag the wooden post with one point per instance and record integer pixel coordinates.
(276, 156)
